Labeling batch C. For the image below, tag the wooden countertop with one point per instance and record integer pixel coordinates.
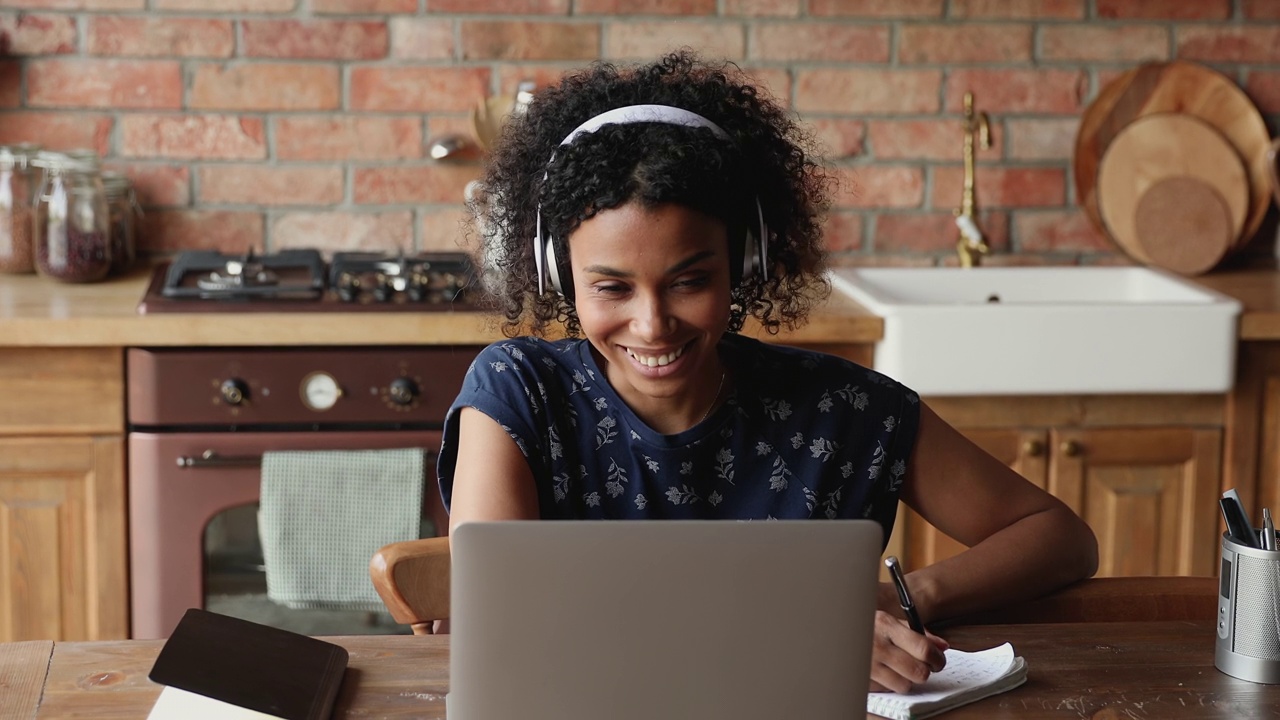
(1258, 290)
(37, 312)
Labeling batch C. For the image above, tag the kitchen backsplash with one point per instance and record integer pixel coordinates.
(287, 123)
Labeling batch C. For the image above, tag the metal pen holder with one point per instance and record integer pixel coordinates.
(1248, 624)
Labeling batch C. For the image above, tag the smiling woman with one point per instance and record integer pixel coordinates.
(651, 210)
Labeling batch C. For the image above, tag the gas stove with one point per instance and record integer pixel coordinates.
(301, 280)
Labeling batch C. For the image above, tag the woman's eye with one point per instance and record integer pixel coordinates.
(692, 282)
(610, 289)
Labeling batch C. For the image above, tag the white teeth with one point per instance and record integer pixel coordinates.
(658, 360)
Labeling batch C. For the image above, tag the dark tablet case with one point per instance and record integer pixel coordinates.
(253, 666)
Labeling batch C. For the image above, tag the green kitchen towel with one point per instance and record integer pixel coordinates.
(324, 513)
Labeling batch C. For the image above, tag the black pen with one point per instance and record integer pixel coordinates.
(904, 598)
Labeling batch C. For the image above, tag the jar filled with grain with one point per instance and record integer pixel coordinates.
(72, 239)
(16, 193)
(122, 227)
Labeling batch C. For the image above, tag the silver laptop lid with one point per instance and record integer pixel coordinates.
(578, 620)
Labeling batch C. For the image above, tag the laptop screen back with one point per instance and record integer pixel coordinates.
(652, 619)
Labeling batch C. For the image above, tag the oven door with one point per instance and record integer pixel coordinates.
(179, 482)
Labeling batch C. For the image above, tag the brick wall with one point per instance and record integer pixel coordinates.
(286, 123)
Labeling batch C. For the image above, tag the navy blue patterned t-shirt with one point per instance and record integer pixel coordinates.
(802, 435)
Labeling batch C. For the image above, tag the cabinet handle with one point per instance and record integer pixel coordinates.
(1071, 448)
(1033, 448)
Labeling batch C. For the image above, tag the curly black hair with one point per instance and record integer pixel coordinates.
(766, 157)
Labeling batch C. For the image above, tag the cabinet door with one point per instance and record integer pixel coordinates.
(62, 525)
(1022, 450)
(1150, 495)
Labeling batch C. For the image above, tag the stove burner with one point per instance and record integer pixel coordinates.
(300, 280)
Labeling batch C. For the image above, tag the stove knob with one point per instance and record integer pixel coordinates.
(234, 391)
(403, 391)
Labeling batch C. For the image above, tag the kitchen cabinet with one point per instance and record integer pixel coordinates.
(1252, 463)
(1143, 471)
(63, 573)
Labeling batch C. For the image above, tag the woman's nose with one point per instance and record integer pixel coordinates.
(653, 320)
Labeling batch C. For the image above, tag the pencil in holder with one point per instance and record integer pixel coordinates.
(1248, 622)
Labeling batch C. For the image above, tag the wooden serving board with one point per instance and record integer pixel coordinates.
(1157, 148)
(1173, 87)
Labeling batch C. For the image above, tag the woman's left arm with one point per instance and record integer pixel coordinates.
(1023, 542)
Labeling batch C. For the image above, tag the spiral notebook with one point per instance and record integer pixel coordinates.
(968, 676)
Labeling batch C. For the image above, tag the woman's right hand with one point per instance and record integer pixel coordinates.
(902, 657)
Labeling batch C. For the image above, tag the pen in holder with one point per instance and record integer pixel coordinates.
(1248, 624)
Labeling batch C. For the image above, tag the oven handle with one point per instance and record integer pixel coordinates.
(211, 459)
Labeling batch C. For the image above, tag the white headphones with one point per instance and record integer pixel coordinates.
(753, 259)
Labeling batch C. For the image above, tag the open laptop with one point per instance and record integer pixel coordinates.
(582, 620)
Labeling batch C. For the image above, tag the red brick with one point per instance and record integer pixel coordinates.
(1058, 231)
(1018, 91)
(858, 92)
(774, 83)
(531, 40)
(941, 44)
(877, 8)
(228, 231)
(878, 186)
(1214, 43)
(511, 75)
(347, 137)
(762, 8)
(257, 7)
(363, 7)
(820, 41)
(421, 39)
(999, 187)
(76, 4)
(1019, 9)
(1125, 43)
(444, 230)
(193, 137)
(157, 185)
(930, 139)
(1262, 9)
(343, 231)
(839, 138)
(265, 86)
(436, 183)
(417, 89)
(500, 7)
(116, 84)
(1042, 139)
(647, 40)
(1165, 9)
(1264, 88)
(10, 83)
(842, 232)
(31, 34)
(935, 232)
(645, 7)
(57, 130)
(315, 39)
(264, 185)
(159, 37)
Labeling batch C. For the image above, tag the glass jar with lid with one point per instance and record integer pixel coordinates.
(16, 193)
(72, 221)
(122, 207)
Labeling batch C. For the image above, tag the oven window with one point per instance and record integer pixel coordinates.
(235, 583)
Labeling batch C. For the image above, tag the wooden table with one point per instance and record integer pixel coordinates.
(1102, 671)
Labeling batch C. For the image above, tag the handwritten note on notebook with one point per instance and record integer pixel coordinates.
(968, 676)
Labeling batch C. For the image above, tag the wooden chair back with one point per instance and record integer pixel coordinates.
(412, 577)
(1113, 599)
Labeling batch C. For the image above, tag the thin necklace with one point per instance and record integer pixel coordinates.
(715, 399)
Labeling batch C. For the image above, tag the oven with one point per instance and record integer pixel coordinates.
(199, 420)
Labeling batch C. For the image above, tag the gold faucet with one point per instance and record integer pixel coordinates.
(971, 246)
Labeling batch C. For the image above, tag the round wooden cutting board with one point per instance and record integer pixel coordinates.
(1156, 148)
(1182, 224)
(1173, 87)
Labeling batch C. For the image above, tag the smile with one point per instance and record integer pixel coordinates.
(656, 360)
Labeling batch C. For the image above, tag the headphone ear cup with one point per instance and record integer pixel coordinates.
(561, 285)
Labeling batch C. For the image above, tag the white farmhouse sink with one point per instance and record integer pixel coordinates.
(1056, 330)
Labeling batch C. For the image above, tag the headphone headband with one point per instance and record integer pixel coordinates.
(544, 254)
